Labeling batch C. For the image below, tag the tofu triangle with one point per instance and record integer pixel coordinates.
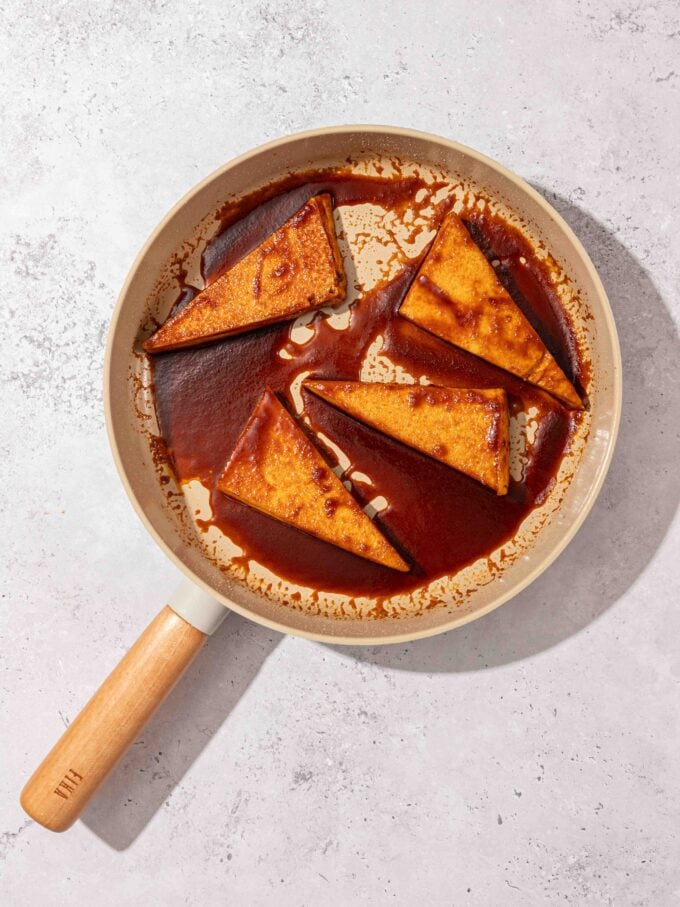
(458, 296)
(276, 469)
(466, 429)
(297, 268)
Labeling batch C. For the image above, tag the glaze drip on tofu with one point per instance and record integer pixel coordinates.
(463, 427)
(457, 296)
(297, 268)
(276, 469)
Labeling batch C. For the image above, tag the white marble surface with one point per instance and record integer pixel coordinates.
(530, 758)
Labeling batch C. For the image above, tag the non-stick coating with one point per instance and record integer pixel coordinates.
(318, 149)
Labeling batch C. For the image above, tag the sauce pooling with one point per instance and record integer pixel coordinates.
(438, 519)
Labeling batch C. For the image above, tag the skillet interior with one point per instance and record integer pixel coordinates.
(469, 596)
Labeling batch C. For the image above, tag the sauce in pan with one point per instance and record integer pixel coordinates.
(438, 519)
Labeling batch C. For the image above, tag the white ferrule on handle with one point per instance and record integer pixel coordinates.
(197, 608)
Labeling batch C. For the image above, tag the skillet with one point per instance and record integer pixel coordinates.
(69, 776)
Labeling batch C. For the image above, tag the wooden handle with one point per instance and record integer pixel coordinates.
(63, 784)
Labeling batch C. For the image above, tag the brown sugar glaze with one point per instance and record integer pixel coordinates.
(438, 519)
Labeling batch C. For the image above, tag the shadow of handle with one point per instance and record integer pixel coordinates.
(69, 776)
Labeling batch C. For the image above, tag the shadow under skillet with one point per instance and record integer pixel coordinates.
(617, 541)
(633, 512)
(178, 733)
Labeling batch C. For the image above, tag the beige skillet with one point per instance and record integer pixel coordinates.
(68, 777)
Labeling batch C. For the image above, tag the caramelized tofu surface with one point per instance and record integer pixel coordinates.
(466, 429)
(458, 296)
(297, 268)
(276, 469)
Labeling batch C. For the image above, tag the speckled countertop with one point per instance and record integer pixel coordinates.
(531, 757)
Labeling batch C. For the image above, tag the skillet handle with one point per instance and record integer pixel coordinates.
(63, 784)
